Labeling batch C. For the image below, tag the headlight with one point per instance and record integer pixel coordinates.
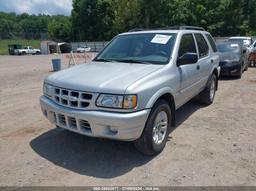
(117, 101)
(48, 90)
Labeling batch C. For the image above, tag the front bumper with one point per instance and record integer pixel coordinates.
(230, 70)
(111, 125)
(218, 70)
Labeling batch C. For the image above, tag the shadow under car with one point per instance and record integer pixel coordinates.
(96, 157)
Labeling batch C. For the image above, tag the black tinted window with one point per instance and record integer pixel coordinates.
(212, 43)
(202, 45)
(187, 44)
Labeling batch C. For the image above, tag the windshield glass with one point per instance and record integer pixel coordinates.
(153, 48)
(228, 48)
(245, 42)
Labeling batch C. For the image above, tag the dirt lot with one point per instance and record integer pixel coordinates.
(211, 146)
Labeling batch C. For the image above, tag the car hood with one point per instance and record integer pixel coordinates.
(229, 56)
(110, 77)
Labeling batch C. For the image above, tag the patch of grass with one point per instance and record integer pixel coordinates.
(4, 44)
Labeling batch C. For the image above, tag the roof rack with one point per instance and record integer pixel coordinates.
(185, 28)
(137, 29)
(171, 28)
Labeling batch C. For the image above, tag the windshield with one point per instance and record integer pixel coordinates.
(153, 48)
(245, 42)
(223, 48)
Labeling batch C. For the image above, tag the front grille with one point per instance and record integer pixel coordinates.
(69, 122)
(222, 63)
(84, 125)
(72, 98)
(62, 119)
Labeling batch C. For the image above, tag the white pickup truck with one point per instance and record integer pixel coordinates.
(27, 50)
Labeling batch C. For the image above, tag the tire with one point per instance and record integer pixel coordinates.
(23, 53)
(239, 75)
(207, 95)
(147, 143)
(247, 66)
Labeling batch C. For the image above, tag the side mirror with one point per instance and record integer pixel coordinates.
(187, 58)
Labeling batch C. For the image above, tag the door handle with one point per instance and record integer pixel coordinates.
(198, 67)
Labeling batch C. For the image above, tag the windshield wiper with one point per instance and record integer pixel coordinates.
(133, 61)
(103, 60)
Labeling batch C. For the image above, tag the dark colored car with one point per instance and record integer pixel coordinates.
(246, 43)
(232, 59)
(13, 47)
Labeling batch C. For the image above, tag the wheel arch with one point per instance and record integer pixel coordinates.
(167, 95)
(216, 73)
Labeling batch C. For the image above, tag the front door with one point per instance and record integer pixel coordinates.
(189, 74)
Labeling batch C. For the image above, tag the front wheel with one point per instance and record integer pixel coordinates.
(239, 75)
(207, 95)
(247, 66)
(156, 131)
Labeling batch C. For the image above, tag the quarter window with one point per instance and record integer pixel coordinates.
(212, 43)
(187, 44)
(202, 45)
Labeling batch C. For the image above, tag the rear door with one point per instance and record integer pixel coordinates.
(204, 61)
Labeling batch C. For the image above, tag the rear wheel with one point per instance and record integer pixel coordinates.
(156, 131)
(207, 95)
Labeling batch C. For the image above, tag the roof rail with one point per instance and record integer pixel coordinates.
(185, 28)
(137, 29)
(171, 28)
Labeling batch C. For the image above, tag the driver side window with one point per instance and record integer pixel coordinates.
(187, 45)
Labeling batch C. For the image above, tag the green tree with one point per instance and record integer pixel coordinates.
(59, 29)
(128, 19)
(92, 19)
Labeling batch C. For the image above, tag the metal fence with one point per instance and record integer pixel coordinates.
(95, 46)
(223, 39)
(98, 46)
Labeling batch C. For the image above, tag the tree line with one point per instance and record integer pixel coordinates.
(100, 20)
(25, 26)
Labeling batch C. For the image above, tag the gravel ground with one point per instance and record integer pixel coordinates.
(211, 146)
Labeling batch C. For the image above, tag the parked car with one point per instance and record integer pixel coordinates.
(133, 87)
(246, 41)
(83, 49)
(13, 47)
(232, 59)
(252, 56)
(27, 50)
(253, 47)
(246, 44)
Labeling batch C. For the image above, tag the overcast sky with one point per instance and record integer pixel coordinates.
(51, 7)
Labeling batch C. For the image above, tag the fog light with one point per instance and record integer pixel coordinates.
(113, 130)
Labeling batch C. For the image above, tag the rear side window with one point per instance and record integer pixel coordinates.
(187, 44)
(202, 45)
(212, 43)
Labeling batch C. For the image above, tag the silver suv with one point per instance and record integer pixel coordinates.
(131, 90)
